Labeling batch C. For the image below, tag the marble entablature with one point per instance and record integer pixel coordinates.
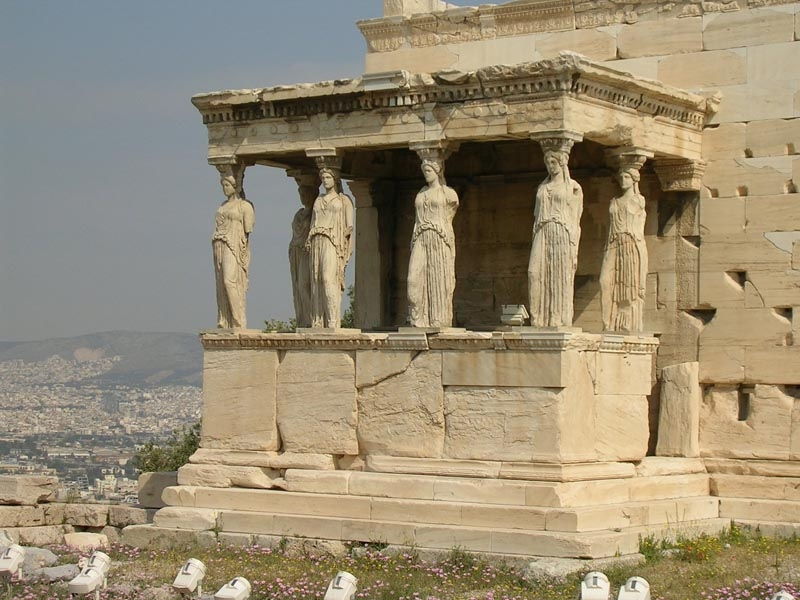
(488, 21)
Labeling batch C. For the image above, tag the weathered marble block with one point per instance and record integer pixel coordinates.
(533, 396)
(317, 409)
(403, 414)
(239, 400)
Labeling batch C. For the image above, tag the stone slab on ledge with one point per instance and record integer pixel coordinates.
(27, 489)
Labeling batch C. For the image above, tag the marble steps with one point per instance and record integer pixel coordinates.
(595, 544)
(779, 529)
(433, 512)
(760, 487)
(759, 510)
(484, 491)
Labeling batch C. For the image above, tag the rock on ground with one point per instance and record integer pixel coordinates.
(559, 568)
(86, 541)
(59, 573)
(37, 558)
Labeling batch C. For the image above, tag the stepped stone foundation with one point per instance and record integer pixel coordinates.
(514, 443)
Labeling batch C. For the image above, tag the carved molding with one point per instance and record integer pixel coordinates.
(627, 157)
(680, 175)
(557, 140)
(465, 24)
(555, 341)
(500, 86)
(326, 158)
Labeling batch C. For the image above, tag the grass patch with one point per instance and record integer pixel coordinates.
(734, 566)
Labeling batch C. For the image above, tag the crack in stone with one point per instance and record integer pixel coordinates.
(367, 386)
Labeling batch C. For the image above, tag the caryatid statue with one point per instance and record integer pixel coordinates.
(432, 266)
(330, 245)
(623, 276)
(556, 235)
(233, 224)
(299, 265)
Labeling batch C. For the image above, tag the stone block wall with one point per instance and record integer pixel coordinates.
(467, 396)
(724, 283)
(31, 517)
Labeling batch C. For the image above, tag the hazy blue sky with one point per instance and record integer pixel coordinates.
(107, 200)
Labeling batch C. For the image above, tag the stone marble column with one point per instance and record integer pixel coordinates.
(623, 275)
(330, 241)
(370, 276)
(556, 234)
(230, 242)
(432, 265)
(299, 267)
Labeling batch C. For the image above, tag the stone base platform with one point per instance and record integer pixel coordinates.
(763, 495)
(521, 443)
(570, 519)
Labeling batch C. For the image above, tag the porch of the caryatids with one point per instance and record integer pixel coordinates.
(330, 241)
(556, 234)
(623, 275)
(432, 265)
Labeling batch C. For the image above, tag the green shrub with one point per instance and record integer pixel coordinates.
(172, 454)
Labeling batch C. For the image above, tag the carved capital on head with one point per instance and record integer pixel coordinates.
(326, 158)
(627, 157)
(304, 177)
(308, 183)
(433, 150)
(680, 174)
(557, 140)
(231, 166)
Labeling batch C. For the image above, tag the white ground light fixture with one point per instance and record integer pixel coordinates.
(636, 588)
(190, 578)
(11, 562)
(595, 586)
(783, 596)
(93, 577)
(342, 587)
(237, 588)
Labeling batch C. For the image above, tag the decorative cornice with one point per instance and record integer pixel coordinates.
(467, 24)
(533, 340)
(568, 74)
(487, 22)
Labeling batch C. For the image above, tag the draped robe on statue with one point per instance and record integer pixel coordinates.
(554, 254)
(233, 222)
(300, 268)
(431, 269)
(624, 271)
(330, 247)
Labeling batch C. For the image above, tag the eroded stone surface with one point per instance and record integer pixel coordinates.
(317, 409)
(227, 476)
(152, 485)
(515, 424)
(239, 407)
(27, 489)
(83, 541)
(404, 414)
(679, 417)
(746, 423)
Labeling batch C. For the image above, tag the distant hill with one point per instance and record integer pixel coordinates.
(146, 358)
